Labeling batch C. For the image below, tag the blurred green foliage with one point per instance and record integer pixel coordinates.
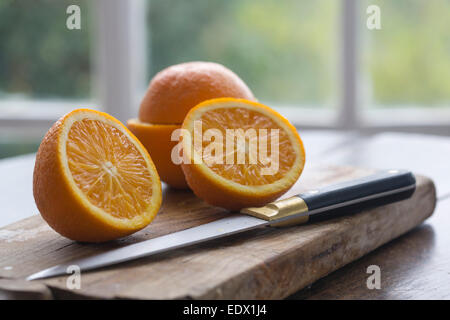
(284, 50)
(287, 51)
(408, 60)
(39, 56)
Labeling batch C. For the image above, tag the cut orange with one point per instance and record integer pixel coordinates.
(157, 139)
(227, 181)
(93, 180)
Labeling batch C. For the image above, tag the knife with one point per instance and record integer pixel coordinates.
(329, 202)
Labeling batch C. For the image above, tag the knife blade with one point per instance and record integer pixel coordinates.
(315, 205)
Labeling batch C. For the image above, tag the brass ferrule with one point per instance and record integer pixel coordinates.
(280, 210)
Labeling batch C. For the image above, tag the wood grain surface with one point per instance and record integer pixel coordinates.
(263, 264)
(414, 266)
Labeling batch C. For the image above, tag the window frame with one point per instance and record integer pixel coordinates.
(120, 26)
(117, 27)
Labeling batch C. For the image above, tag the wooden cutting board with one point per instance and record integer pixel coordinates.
(271, 263)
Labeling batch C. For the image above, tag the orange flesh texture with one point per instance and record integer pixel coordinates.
(242, 118)
(108, 169)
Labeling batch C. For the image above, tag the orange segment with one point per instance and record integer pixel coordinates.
(227, 181)
(93, 180)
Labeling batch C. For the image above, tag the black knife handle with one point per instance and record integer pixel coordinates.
(351, 196)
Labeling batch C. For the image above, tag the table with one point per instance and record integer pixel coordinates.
(414, 266)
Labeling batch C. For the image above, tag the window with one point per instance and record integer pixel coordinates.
(314, 60)
(283, 51)
(41, 70)
(408, 64)
(38, 61)
(405, 67)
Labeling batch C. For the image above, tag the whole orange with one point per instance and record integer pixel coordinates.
(171, 94)
(177, 89)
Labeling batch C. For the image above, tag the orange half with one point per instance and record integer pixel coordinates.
(93, 180)
(235, 184)
(156, 138)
